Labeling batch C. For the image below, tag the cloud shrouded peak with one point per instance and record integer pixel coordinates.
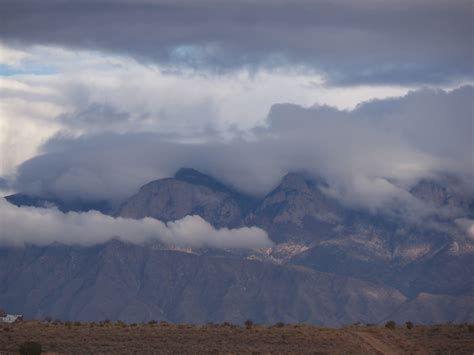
(377, 42)
(369, 156)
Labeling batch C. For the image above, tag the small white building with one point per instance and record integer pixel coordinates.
(11, 318)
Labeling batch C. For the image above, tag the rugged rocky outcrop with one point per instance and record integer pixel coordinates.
(298, 211)
(188, 193)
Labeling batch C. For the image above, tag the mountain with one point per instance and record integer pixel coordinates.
(138, 283)
(188, 193)
(297, 211)
(330, 264)
(447, 194)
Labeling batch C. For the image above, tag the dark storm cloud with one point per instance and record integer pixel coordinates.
(350, 42)
(369, 156)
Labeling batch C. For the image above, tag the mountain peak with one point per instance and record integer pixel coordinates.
(195, 177)
(297, 181)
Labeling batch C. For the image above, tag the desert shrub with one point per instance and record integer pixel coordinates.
(48, 319)
(409, 325)
(470, 328)
(390, 324)
(248, 324)
(30, 348)
(152, 322)
(164, 323)
(77, 323)
(279, 325)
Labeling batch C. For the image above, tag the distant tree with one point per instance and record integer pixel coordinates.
(390, 324)
(409, 325)
(30, 348)
(248, 324)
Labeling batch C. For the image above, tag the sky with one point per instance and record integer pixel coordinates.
(100, 97)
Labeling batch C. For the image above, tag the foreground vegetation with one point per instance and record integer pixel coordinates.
(108, 337)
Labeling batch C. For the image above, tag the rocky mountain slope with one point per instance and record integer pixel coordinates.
(188, 193)
(137, 283)
(330, 265)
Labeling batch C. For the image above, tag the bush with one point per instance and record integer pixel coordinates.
(470, 328)
(390, 324)
(248, 324)
(152, 322)
(30, 348)
(279, 325)
(409, 325)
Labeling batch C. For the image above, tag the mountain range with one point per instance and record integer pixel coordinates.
(330, 264)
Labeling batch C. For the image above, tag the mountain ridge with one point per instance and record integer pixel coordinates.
(314, 234)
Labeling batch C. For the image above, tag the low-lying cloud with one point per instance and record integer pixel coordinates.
(369, 156)
(43, 226)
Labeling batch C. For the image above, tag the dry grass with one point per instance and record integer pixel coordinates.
(121, 338)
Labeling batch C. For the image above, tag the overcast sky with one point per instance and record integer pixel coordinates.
(100, 97)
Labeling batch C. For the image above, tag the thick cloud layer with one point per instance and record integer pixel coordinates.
(349, 42)
(369, 156)
(42, 226)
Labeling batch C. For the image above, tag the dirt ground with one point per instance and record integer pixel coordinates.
(119, 338)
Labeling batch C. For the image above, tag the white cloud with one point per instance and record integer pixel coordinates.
(42, 226)
(467, 225)
(139, 97)
(11, 56)
(369, 157)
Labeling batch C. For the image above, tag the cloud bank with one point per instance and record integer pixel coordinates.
(350, 43)
(369, 156)
(93, 93)
(43, 226)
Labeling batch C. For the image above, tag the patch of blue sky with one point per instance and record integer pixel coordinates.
(6, 70)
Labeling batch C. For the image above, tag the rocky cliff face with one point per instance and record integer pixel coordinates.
(188, 193)
(297, 211)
